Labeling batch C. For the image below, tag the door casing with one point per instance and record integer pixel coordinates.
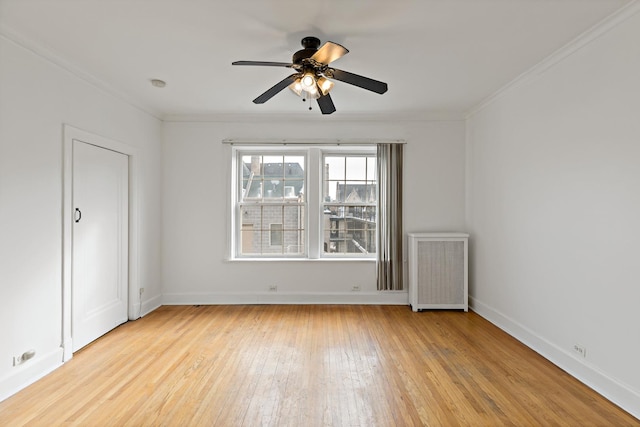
(70, 134)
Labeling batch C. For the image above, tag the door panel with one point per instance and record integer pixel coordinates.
(100, 242)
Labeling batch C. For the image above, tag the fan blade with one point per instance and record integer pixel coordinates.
(264, 63)
(356, 80)
(329, 52)
(275, 89)
(326, 104)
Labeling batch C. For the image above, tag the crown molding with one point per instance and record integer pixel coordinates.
(55, 59)
(426, 116)
(584, 39)
(311, 142)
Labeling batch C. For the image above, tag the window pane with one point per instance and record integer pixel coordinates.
(251, 215)
(269, 161)
(275, 234)
(334, 167)
(293, 242)
(269, 229)
(356, 168)
(271, 214)
(358, 185)
(332, 191)
(294, 167)
(293, 189)
(294, 217)
(273, 188)
(272, 177)
(266, 247)
(371, 214)
(350, 229)
(251, 167)
(251, 164)
(371, 168)
(249, 240)
(355, 192)
(245, 185)
(294, 220)
(372, 192)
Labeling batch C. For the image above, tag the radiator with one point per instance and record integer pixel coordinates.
(438, 271)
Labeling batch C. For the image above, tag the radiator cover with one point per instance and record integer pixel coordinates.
(438, 271)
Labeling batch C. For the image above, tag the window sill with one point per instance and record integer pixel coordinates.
(300, 259)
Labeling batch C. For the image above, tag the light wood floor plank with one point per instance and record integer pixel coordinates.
(308, 366)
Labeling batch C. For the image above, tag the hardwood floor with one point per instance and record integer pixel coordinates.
(308, 366)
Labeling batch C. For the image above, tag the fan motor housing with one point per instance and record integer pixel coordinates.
(310, 45)
(303, 54)
(310, 42)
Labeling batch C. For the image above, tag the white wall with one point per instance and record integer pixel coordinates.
(36, 99)
(196, 210)
(554, 208)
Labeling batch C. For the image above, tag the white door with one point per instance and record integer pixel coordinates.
(100, 270)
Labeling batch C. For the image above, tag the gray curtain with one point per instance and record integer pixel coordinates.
(389, 258)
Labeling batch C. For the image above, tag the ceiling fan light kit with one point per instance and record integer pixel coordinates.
(308, 81)
(311, 80)
(308, 86)
(325, 85)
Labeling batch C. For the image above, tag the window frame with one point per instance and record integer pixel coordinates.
(239, 202)
(349, 152)
(313, 199)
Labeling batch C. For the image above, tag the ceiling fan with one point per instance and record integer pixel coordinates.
(312, 77)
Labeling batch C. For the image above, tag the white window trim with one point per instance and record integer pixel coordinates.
(313, 187)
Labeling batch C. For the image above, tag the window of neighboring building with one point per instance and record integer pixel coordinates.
(305, 202)
(275, 234)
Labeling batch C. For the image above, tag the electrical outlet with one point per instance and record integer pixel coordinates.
(581, 350)
(19, 360)
(355, 288)
(273, 288)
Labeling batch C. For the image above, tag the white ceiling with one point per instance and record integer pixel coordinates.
(437, 56)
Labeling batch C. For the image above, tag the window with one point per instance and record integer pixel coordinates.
(349, 204)
(271, 203)
(304, 202)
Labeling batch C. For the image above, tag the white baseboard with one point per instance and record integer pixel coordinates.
(135, 311)
(141, 309)
(612, 389)
(151, 304)
(67, 349)
(32, 370)
(230, 298)
(29, 372)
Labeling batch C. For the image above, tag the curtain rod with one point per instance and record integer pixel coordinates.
(312, 142)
